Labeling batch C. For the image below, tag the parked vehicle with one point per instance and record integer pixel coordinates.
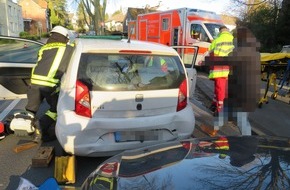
(178, 27)
(17, 57)
(234, 162)
(285, 49)
(116, 95)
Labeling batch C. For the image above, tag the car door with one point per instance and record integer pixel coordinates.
(17, 58)
(188, 55)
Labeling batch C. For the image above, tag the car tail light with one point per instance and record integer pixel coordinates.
(182, 96)
(186, 145)
(109, 168)
(82, 100)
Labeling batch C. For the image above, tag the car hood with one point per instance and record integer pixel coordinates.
(233, 162)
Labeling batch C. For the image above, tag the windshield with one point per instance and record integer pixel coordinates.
(213, 29)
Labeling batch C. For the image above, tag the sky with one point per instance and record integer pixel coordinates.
(218, 6)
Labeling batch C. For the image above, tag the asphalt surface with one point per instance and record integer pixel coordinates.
(16, 165)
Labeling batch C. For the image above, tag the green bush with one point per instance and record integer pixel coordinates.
(26, 35)
(23, 34)
(4, 41)
(45, 35)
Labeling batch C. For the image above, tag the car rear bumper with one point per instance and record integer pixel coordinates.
(96, 137)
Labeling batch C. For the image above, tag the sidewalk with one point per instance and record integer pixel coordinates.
(278, 113)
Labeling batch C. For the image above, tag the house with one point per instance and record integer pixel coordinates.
(132, 14)
(11, 22)
(34, 13)
(115, 23)
(229, 21)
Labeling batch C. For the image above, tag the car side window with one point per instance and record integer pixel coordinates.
(18, 51)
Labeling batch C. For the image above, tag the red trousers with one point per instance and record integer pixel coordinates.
(220, 92)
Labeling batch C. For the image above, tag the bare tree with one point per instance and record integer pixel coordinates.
(96, 11)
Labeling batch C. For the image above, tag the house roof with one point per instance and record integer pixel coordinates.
(228, 20)
(41, 3)
(134, 12)
(118, 17)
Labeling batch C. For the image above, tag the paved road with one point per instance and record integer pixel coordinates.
(13, 165)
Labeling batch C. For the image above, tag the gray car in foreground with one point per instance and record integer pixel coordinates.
(234, 162)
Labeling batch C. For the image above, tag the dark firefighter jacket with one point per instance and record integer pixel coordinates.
(52, 62)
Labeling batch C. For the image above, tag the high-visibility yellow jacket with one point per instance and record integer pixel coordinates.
(52, 62)
(221, 46)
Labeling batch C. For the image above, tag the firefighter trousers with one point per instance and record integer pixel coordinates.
(220, 92)
(36, 95)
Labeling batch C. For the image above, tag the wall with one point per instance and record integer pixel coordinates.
(32, 11)
(11, 22)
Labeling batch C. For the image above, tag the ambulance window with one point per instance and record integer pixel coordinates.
(165, 23)
(197, 32)
(132, 29)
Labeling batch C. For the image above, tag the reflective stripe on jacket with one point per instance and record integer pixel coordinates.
(218, 72)
(49, 60)
(221, 46)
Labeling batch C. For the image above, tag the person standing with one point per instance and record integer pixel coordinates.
(221, 46)
(244, 79)
(52, 62)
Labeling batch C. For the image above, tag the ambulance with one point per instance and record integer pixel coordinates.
(178, 27)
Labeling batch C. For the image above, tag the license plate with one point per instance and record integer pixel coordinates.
(124, 136)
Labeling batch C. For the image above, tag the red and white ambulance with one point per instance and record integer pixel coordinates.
(178, 27)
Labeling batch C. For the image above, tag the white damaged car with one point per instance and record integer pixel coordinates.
(119, 94)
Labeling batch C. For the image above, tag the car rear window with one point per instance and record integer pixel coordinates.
(120, 72)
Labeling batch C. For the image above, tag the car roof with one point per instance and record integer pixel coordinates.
(196, 162)
(114, 46)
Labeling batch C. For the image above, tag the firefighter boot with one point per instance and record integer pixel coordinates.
(47, 128)
(37, 134)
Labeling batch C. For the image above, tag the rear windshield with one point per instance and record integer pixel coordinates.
(110, 72)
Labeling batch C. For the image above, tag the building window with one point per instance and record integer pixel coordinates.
(11, 26)
(9, 10)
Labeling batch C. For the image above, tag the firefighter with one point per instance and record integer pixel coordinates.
(158, 63)
(52, 61)
(221, 46)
